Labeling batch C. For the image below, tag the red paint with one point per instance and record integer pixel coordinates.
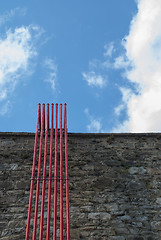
(66, 176)
(61, 176)
(33, 173)
(44, 176)
(38, 176)
(39, 127)
(62, 137)
(55, 173)
(50, 175)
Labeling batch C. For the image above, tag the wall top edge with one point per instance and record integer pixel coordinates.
(85, 134)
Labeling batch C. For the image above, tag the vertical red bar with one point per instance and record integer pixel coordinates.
(44, 176)
(55, 173)
(48, 121)
(38, 176)
(39, 119)
(61, 176)
(33, 173)
(66, 176)
(50, 174)
(44, 121)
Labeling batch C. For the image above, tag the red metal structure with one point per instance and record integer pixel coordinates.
(42, 211)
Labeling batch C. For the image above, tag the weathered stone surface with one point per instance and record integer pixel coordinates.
(115, 186)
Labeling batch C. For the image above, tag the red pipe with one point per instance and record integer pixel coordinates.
(50, 175)
(44, 176)
(33, 172)
(48, 120)
(39, 128)
(61, 176)
(44, 121)
(66, 176)
(38, 176)
(41, 125)
(55, 173)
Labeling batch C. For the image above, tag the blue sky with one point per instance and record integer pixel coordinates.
(100, 57)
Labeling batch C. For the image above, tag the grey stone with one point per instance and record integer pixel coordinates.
(93, 215)
(156, 225)
(158, 200)
(114, 186)
(116, 238)
(13, 166)
(125, 218)
(134, 170)
(112, 207)
(105, 216)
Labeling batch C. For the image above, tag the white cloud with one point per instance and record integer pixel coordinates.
(7, 16)
(52, 75)
(16, 52)
(95, 124)
(94, 80)
(143, 54)
(126, 96)
(120, 62)
(5, 107)
(97, 75)
(109, 49)
(119, 109)
(121, 127)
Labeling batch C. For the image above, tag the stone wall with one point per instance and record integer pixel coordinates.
(115, 185)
